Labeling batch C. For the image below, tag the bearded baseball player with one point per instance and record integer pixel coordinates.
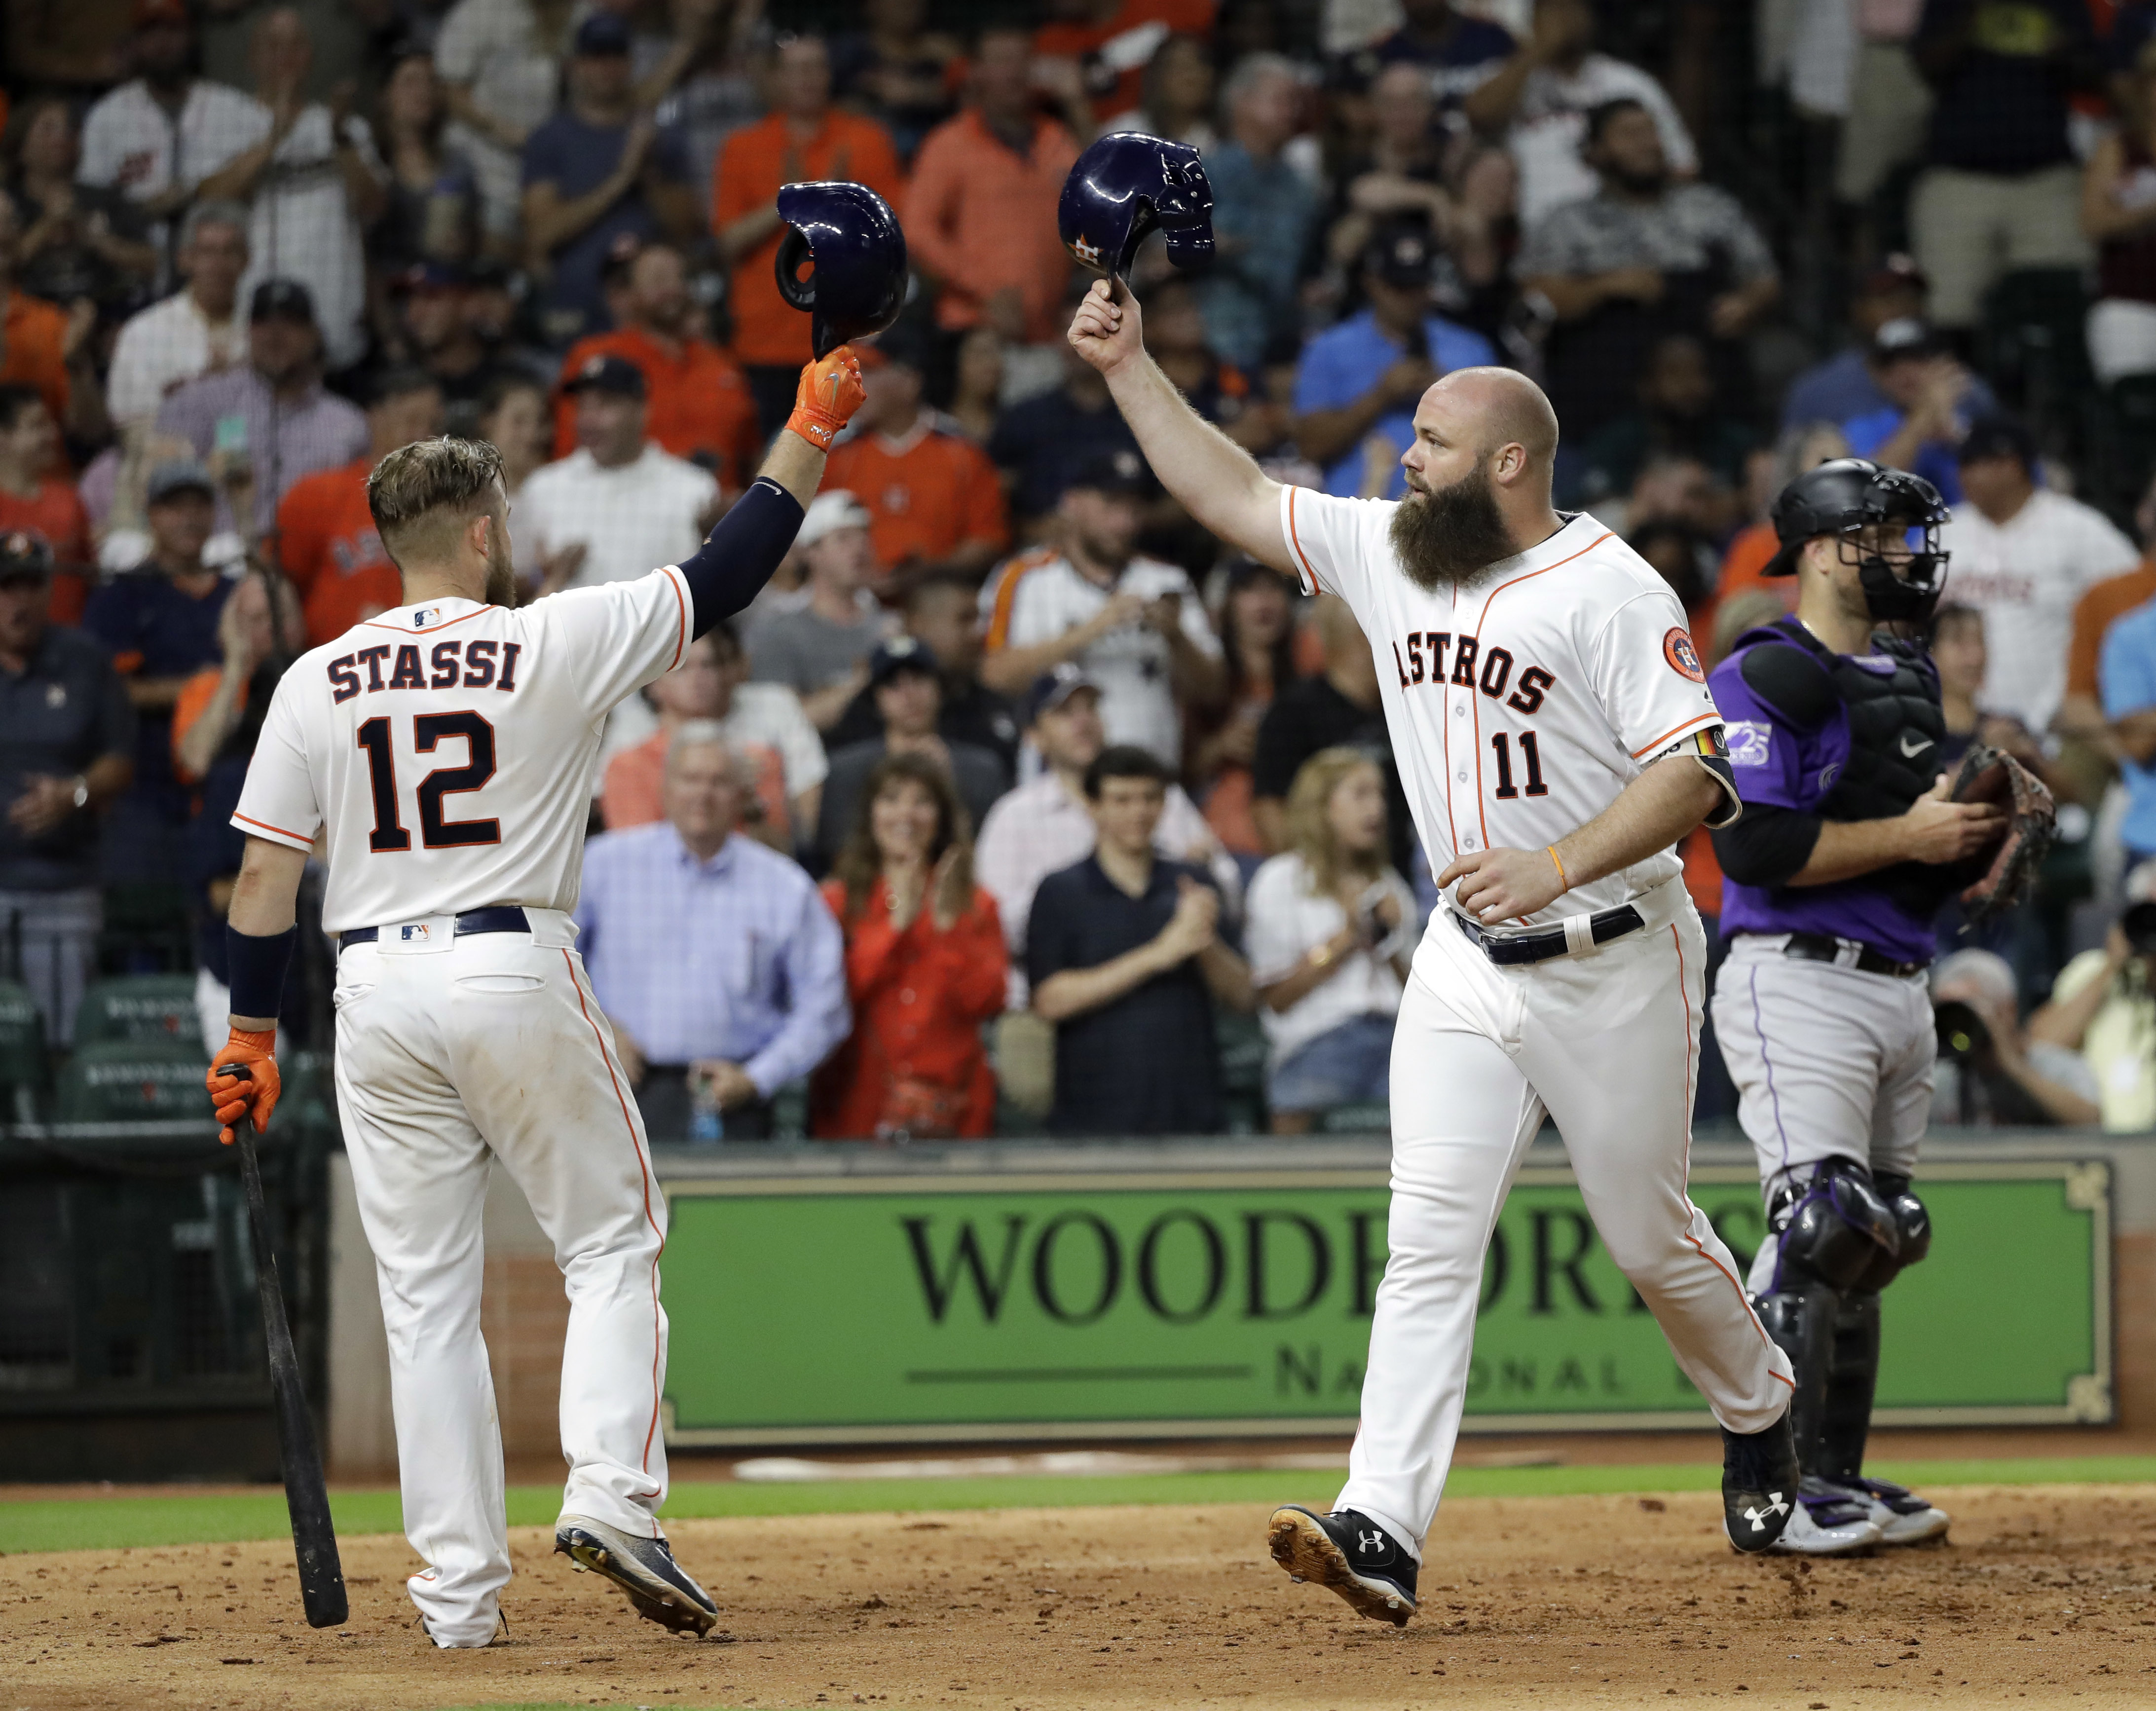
(445, 750)
(1831, 881)
(1556, 736)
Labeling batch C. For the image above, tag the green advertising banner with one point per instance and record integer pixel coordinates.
(885, 1309)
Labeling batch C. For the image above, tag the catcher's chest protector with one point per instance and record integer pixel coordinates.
(1895, 729)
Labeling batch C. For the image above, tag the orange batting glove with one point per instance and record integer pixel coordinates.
(830, 394)
(243, 1082)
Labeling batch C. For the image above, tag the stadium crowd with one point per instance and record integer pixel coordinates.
(1013, 804)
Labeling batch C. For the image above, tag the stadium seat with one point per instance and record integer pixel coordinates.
(1241, 1041)
(140, 1008)
(22, 1054)
(147, 929)
(133, 1080)
(1374, 1118)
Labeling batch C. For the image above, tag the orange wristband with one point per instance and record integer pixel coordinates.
(1561, 873)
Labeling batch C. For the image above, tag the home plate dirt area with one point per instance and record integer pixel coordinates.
(2043, 1597)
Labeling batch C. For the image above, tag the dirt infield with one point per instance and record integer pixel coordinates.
(2044, 1597)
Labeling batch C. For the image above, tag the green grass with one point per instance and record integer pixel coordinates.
(118, 1521)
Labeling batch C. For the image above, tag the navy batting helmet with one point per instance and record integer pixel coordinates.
(1125, 185)
(1848, 495)
(858, 285)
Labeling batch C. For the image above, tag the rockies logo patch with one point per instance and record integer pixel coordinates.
(1682, 656)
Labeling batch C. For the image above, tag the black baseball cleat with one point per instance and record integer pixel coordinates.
(1350, 1553)
(643, 1568)
(1759, 1477)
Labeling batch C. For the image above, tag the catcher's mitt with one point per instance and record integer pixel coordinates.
(2001, 878)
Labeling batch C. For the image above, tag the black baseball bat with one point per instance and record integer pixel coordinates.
(307, 1495)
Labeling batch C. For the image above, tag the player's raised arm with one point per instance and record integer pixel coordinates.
(739, 556)
(1214, 479)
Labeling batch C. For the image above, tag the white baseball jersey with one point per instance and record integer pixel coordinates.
(1523, 703)
(448, 748)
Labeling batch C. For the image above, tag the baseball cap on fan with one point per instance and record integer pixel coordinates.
(830, 512)
(898, 654)
(602, 35)
(26, 557)
(1906, 337)
(282, 300)
(1119, 471)
(608, 373)
(1398, 254)
(1051, 689)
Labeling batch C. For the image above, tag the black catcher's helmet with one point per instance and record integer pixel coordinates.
(1850, 494)
(858, 285)
(1124, 185)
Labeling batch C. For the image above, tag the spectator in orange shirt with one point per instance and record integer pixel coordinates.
(220, 700)
(1110, 42)
(697, 403)
(2080, 713)
(44, 346)
(980, 216)
(327, 542)
(34, 498)
(925, 967)
(803, 137)
(935, 503)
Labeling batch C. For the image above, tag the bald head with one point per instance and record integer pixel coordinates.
(1508, 408)
(1480, 468)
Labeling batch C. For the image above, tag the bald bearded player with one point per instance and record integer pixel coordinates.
(1556, 737)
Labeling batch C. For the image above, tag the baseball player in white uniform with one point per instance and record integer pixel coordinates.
(1555, 737)
(443, 750)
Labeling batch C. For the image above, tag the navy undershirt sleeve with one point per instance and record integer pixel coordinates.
(1769, 847)
(730, 569)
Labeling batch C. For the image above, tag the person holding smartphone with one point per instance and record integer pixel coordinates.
(1332, 927)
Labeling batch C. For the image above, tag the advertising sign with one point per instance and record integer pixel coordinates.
(902, 1307)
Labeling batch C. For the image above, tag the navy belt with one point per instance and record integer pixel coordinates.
(1540, 945)
(1826, 947)
(501, 917)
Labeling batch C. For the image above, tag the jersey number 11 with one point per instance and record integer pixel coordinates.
(435, 833)
(1531, 756)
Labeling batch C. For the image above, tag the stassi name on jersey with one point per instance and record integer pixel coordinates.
(448, 665)
(1471, 666)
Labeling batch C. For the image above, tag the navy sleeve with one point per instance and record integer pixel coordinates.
(1769, 847)
(1048, 949)
(730, 569)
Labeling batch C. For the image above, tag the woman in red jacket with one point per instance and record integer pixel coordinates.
(925, 967)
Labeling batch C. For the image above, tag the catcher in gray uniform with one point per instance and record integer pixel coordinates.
(1851, 840)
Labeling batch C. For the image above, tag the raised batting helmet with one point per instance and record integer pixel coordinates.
(1850, 493)
(858, 285)
(1123, 186)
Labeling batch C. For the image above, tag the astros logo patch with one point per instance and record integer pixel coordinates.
(1682, 656)
(1090, 253)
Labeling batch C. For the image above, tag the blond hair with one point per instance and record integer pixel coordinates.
(423, 494)
(1310, 832)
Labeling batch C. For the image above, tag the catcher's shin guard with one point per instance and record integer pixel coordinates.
(1800, 1318)
(1852, 1378)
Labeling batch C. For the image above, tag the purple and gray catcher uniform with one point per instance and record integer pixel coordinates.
(1821, 1008)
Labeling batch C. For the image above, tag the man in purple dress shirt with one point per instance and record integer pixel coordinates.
(1845, 850)
(272, 415)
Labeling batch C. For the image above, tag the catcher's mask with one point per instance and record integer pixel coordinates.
(1124, 186)
(858, 285)
(1850, 494)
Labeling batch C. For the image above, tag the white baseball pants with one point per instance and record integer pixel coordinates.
(1829, 1062)
(1607, 1044)
(451, 1050)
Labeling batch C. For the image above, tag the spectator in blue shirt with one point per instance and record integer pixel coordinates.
(1264, 214)
(2126, 674)
(598, 172)
(1365, 376)
(715, 959)
(1927, 410)
(1843, 386)
(159, 623)
(1461, 52)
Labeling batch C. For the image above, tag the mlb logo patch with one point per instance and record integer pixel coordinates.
(415, 932)
(426, 615)
(1750, 742)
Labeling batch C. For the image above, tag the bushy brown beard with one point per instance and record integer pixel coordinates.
(1444, 536)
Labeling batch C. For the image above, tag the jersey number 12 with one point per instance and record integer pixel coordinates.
(435, 833)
